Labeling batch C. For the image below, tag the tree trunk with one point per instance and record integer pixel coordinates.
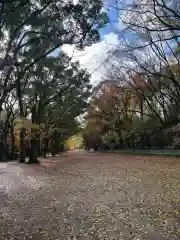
(12, 142)
(121, 142)
(45, 147)
(3, 151)
(133, 142)
(3, 145)
(22, 145)
(53, 152)
(22, 130)
(33, 158)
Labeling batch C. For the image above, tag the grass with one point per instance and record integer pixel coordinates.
(161, 152)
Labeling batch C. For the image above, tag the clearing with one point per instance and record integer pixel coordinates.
(91, 196)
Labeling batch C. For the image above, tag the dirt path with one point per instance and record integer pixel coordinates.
(91, 196)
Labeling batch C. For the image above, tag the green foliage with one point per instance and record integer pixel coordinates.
(110, 140)
(56, 96)
(52, 90)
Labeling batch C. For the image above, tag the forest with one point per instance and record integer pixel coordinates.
(137, 106)
(43, 92)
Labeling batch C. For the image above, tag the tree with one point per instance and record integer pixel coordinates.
(144, 70)
(30, 31)
(55, 95)
(149, 63)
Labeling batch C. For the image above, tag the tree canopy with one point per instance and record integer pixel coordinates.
(40, 85)
(140, 108)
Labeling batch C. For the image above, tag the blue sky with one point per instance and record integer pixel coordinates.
(112, 25)
(92, 57)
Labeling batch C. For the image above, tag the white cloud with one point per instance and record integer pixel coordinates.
(75, 2)
(93, 58)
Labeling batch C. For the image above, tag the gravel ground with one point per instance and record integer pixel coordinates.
(91, 196)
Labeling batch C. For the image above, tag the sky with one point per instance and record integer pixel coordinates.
(93, 58)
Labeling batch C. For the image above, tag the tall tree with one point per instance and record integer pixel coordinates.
(55, 95)
(31, 30)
